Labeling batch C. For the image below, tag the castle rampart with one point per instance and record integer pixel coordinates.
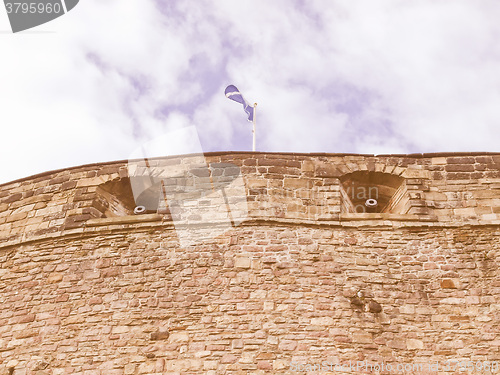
(310, 275)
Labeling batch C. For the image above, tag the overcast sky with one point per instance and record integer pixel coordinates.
(365, 76)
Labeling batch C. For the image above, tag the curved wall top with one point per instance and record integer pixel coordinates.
(419, 189)
(87, 287)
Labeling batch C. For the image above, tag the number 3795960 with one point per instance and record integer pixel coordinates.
(33, 8)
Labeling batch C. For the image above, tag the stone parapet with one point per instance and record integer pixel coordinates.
(457, 188)
(300, 278)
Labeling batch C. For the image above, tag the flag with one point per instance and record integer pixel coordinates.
(234, 94)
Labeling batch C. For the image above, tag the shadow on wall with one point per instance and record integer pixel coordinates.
(114, 198)
(364, 191)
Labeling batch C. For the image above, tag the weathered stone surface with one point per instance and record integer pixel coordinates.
(374, 307)
(117, 294)
(450, 283)
(413, 344)
(160, 335)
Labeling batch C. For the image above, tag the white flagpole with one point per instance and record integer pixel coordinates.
(254, 121)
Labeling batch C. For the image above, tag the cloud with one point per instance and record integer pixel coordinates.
(384, 77)
(431, 64)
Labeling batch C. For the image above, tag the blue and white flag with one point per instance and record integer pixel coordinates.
(234, 94)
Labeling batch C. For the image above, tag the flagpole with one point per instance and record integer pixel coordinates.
(254, 121)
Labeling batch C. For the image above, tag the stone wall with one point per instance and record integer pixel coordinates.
(84, 291)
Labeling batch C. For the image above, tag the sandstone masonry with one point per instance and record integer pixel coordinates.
(87, 287)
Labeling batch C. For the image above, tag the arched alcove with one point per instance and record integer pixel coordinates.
(115, 198)
(373, 192)
(194, 184)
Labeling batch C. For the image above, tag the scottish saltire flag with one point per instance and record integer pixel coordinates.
(234, 94)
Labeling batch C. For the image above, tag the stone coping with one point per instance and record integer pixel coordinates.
(133, 219)
(218, 153)
(285, 187)
(386, 216)
(148, 222)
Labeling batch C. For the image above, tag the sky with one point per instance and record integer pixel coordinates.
(337, 76)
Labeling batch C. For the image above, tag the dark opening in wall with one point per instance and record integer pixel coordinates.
(115, 198)
(190, 186)
(365, 191)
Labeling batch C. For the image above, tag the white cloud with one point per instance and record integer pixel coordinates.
(431, 63)
(367, 77)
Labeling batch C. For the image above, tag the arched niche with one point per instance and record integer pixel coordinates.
(361, 189)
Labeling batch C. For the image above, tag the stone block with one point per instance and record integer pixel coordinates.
(228, 358)
(414, 344)
(178, 337)
(308, 166)
(460, 160)
(296, 183)
(287, 345)
(160, 335)
(242, 262)
(459, 168)
(415, 173)
(362, 338)
(450, 283)
(439, 161)
(323, 321)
